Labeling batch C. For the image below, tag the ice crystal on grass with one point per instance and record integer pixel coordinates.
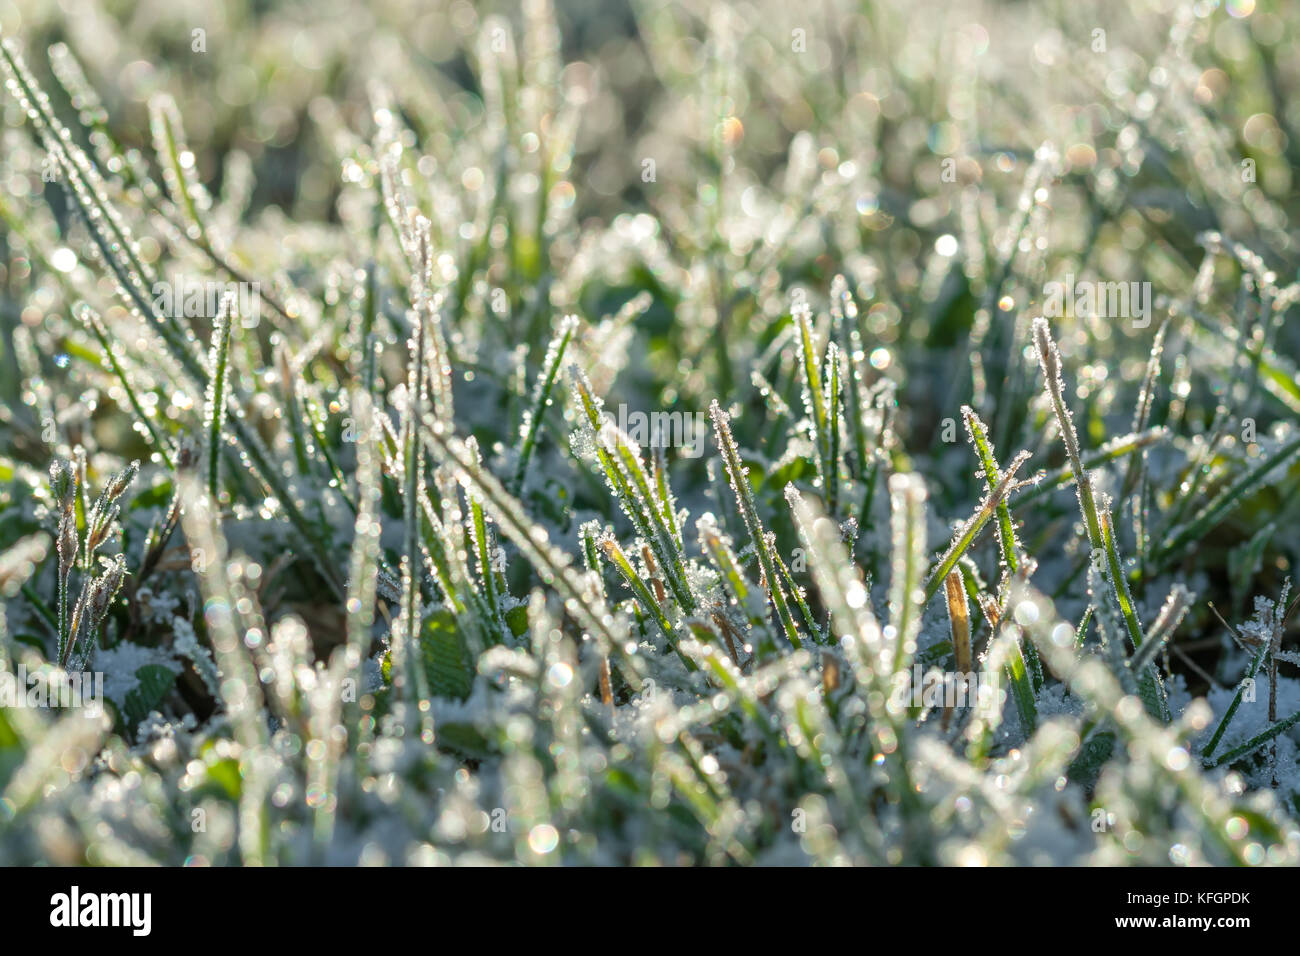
(383, 579)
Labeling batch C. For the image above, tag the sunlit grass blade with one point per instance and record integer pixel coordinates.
(484, 553)
(214, 411)
(177, 163)
(1112, 450)
(747, 599)
(1100, 536)
(1162, 629)
(619, 458)
(541, 399)
(739, 476)
(970, 530)
(582, 602)
(907, 598)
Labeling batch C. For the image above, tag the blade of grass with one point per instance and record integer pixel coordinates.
(1097, 524)
(1217, 509)
(970, 530)
(581, 601)
(214, 414)
(739, 476)
(542, 398)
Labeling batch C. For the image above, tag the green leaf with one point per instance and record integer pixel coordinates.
(464, 739)
(225, 774)
(447, 662)
(1092, 756)
(517, 620)
(155, 682)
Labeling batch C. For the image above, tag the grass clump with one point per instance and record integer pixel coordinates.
(430, 483)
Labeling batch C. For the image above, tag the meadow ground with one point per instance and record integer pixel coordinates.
(685, 432)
